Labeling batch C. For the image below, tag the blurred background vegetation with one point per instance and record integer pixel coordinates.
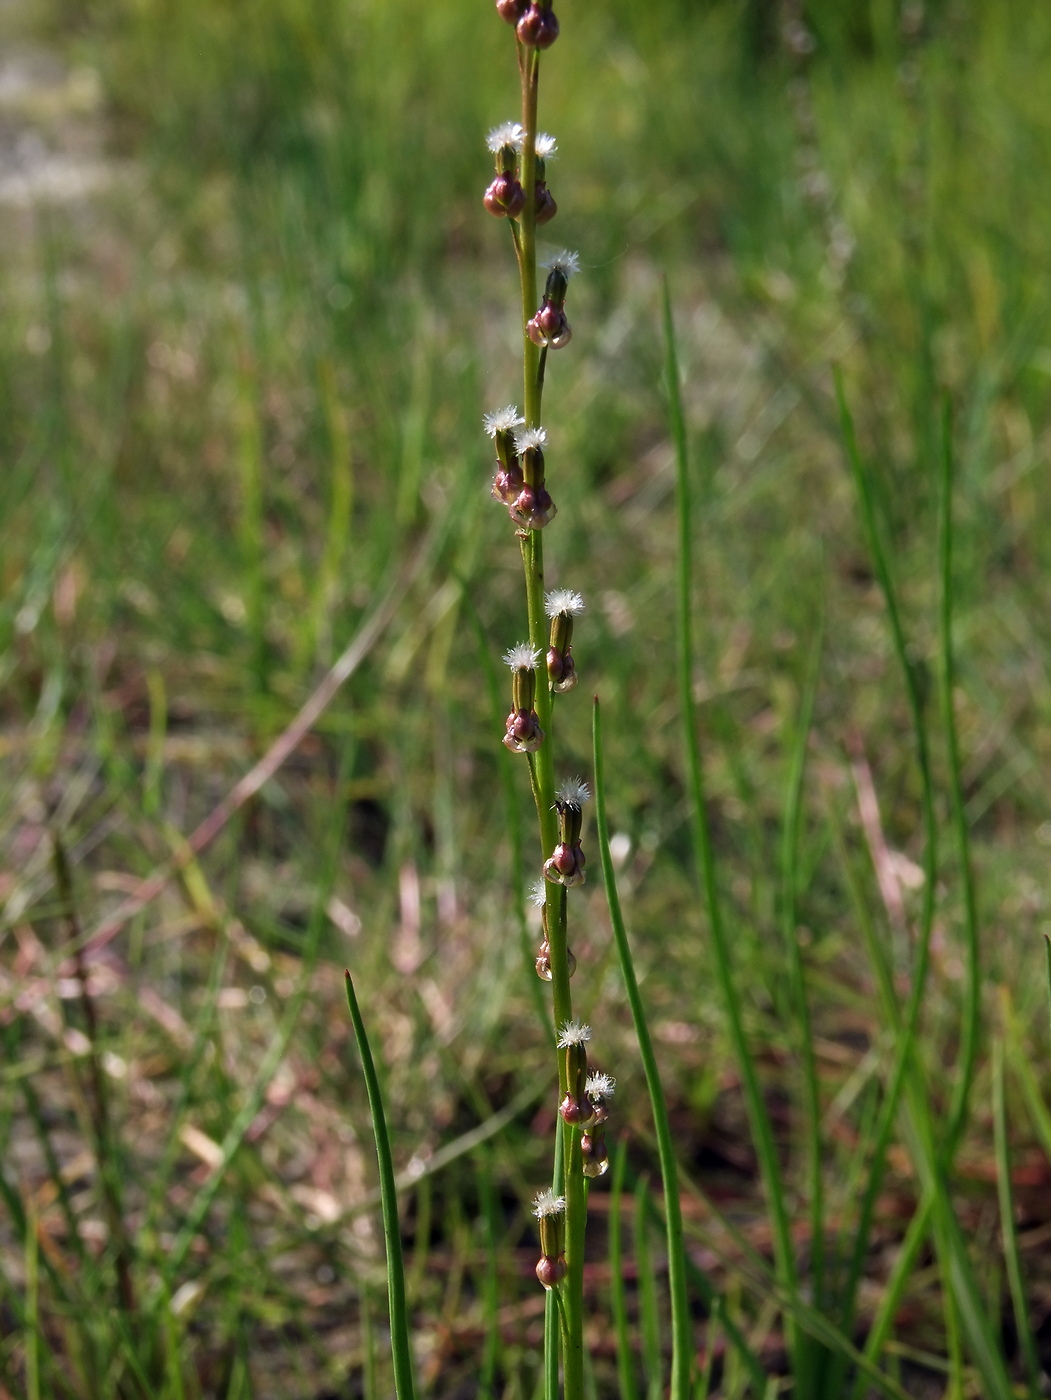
(253, 312)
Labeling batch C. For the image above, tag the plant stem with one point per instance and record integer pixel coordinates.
(542, 769)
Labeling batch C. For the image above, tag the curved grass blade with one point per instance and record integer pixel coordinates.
(680, 1312)
(399, 1316)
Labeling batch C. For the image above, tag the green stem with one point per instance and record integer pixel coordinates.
(680, 1312)
(704, 853)
(542, 769)
(399, 1316)
(972, 999)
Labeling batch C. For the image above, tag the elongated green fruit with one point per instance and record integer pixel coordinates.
(399, 1317)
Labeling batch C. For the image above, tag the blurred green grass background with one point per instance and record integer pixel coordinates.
(243, 384)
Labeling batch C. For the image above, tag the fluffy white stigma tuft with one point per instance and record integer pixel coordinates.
(573, 1033)
(547, 1203)
(503, 420)
(600, 1086)
(522, 657)
(563, 600)
(532, 437)
(574, 792)
(546, 146)
(506, 134)
(538, 893)
(565, 262)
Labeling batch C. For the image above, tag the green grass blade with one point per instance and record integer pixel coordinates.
(649, 1317)
(1012, 1257)
(704, 853)
(814, 1364)
(490, 1287)
(626, 1387)
(704, 1386)
(680, 1312)
(971, 1028)
(399, 1315)
(931, 1162)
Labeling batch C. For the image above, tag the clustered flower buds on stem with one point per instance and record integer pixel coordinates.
(566, 864)
(519, 193)
(549, 328)
(562, 605)
(550, 1211)
(524, 734)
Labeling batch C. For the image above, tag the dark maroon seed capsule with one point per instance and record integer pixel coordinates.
(538, 27)
(546, 208)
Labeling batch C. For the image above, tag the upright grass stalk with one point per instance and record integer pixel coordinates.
(804, 1033)
(680, 1313)
(971, 1029)
(404, 1387)
(519, 194)
(704, 853)
(1012, 1256)
(933, 1161)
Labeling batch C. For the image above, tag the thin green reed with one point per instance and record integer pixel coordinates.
(681, 1344)
(401, 1345)
(542, 668)
(704, 854)
(966, 1316)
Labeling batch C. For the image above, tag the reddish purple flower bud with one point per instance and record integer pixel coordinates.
(549, 328)
(551, 1271)
(524, 734)
(505, 197)
(549, 1210)
(511, 10)
(562, 605)
(596, 1158)
(538, 27)
(533, 508)
(575, 1111)
(599, 1088)
(508, 483)
(544, 203)
(566, 865)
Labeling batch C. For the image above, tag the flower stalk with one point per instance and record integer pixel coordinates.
(542, 667)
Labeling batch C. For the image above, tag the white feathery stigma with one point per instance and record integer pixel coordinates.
(600, 1086)
(546, 146)
(532, 437)
(574, 792)
(547, 1203)
(565, 262)
(538, 893)
(563, 600)
(522, 657)
(573, 1033)
(506, 134)
(503, 420)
